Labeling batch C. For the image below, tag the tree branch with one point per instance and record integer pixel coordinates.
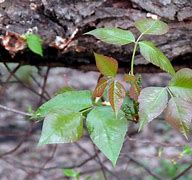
(15, 111)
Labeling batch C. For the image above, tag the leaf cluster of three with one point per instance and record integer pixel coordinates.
(107, 122)
(152, 100)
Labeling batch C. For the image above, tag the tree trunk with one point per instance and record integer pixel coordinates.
(56, 18)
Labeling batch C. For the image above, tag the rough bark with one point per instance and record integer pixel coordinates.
(51, 18)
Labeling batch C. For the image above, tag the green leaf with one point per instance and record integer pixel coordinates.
(181, 84)
(116, 95)
(61, 126)
(34, 43)
(179, 114)
(107, 131)
(74, 100)
(155, 56)
(187, 150)
(113, 35)
(151, 26)
(100, 88)
(152, 102)
(106, 65)
(70, 173)
(143, 120)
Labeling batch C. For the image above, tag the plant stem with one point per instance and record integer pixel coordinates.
(133, 55)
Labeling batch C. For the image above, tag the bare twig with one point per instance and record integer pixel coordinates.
(20, 143)
(14, 111)
(49, 158)
(162, 144)
(100, 163)
(87, 152)
(9, 77)
(183, 172)
(44, 85)
(13, 150)
(143, 166)
(39, 85)
(33, 175)
(23, 83)
(14, 165)
(72, 166)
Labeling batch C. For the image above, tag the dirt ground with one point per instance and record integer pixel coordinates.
(157, 149)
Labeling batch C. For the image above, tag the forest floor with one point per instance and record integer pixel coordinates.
(158, 150)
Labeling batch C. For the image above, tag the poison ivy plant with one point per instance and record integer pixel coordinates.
(151, 26)
(155, 56)
(153, 105)
(74, 100)
(106, 65)
(135, 88)
(101, 86)
(110, 106)
(116, 95)
(107, 131)
(113, 35)
(62, 126)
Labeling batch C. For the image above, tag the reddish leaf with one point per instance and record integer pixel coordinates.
(134, 90)
(101, 85)
(179, 114)
(129, 78)
(116, 95)
(106, 65)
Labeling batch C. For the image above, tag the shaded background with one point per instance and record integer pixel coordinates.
(158, 150)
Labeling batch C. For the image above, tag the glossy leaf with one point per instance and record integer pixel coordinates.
(152, 102)
(107, 131)
(179, 115)
(181, 84)
(34, 43)
(155, 56)
(74, 100)
(100, 88)
(106, 65)
(61, 126)
(113, 35)
(116, 95)
(151, 26)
